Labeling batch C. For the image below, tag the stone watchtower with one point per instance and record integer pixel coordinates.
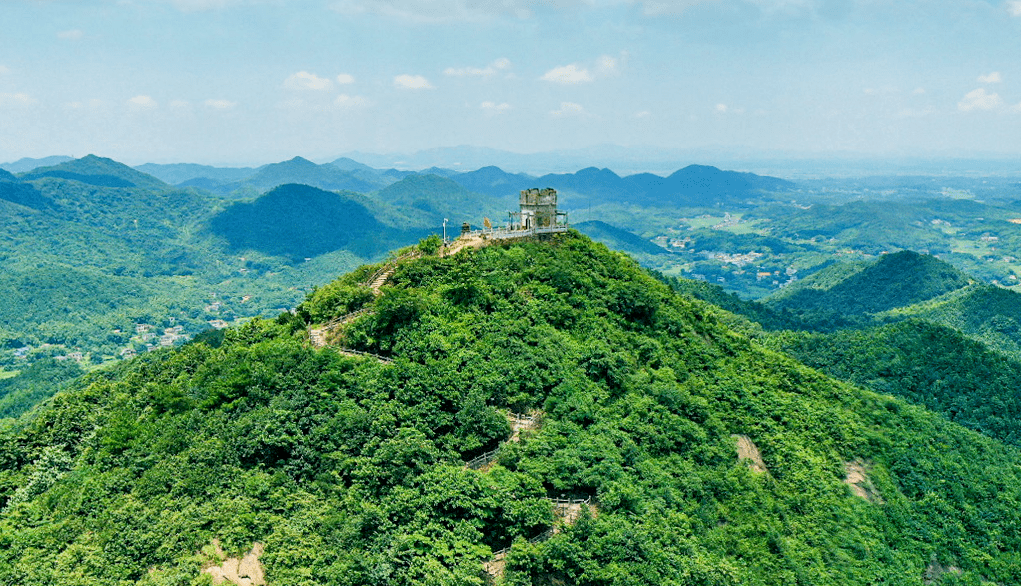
(538, 211)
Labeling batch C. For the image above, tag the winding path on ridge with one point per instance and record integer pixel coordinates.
(319, 336)
(566, 511)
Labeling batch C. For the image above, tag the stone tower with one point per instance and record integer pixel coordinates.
(538, 210)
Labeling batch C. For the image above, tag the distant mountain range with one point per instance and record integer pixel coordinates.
(694, 185)
(26, 164)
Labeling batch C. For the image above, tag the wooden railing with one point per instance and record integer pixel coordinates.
(383, 359)
(483, 460)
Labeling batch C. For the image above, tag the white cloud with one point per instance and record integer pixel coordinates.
(345, 79)
(1014, 7)
(4, 69)
(567, 74)
(568, 109)
(642, 114)
(71, 35)
(993, 77)
(607, 65)
(491, 69)
(304, 80)
(142, 103)
(346, 101)
(18, 99)
(412, 82)
(494, 108)
(918, 91)
(728, 109)
(220, 104)
(979, 100)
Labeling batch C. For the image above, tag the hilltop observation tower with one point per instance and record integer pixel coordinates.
(538, 213)
(538, 216)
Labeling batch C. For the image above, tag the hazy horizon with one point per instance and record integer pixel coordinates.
(243, 81)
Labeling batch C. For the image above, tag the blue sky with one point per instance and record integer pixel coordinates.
(256, 81)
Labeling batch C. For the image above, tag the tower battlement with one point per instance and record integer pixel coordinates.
(538, 211)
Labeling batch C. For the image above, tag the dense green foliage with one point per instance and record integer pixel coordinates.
(926, 364)
(38, 382)
(895, 280)
(350, 470)
(984, 312)
(754, 311)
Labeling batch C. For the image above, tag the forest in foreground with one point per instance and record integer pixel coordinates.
(704, 456)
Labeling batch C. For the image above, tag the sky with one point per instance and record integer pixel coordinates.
(245, 82)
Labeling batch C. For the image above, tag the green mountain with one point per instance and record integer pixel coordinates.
(178, 173)
(858, 290)
(24, 194)
(924, 363)
(26, 164)
(618, 238)
(704, 458)
(984, 312)
(98, 171)
(303, 171)
(428, 199)
(298, 222)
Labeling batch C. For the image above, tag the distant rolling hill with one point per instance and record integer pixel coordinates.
(428, 199)
(495, 181)
(895, 280)
(303, 171)
(27, 164)
(692, 186)
(179, 173)
(98, 171)
(618, 238)
(299, 221)
(24, 194)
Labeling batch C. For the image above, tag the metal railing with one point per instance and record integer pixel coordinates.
(504, 233)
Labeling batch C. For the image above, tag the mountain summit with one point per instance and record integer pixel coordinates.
(530, 412)
(98, 171)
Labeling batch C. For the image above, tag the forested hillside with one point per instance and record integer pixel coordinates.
(706, 458)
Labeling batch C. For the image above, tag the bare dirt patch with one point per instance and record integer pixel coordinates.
(857, 477)
(245, 571)
(748, 452)
(934, 572)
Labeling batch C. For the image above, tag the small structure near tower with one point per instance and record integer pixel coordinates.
(538, 212)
